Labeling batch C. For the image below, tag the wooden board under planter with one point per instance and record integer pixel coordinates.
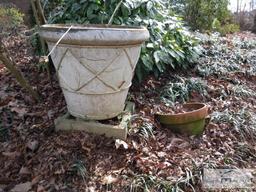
(70, 123)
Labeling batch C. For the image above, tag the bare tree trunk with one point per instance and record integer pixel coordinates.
(10, 65)
(40, 12)
(237, 6)
(254, 26)
(38, 24)
(40, 20)
(252, 4)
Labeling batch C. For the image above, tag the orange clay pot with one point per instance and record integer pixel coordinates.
(191, 122)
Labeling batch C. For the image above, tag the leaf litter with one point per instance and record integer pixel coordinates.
(34, 157)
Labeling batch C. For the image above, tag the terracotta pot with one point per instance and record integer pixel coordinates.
(191, 122)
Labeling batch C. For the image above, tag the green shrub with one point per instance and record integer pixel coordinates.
(201, 14)
(229, 28)
(224, 29)
(216, 25)
(9, 18)
(170, 44)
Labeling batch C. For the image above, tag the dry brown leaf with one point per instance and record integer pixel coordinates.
(35, 180)
(33, 145)
(11, 155)
(109, 179)
(24, 171)
(40, 188)
(119, 143)
(20, 111)
(22, 187)
(161, 154)
(135, 145)
(15, 107)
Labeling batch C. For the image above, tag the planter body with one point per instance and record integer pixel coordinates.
(95, 65)
(190, 123)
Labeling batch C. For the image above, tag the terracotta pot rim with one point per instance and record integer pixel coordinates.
(187, 117)
(203, 106)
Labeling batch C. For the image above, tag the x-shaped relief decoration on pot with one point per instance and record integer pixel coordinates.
(94, 73)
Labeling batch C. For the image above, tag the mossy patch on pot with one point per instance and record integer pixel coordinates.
(191, 122)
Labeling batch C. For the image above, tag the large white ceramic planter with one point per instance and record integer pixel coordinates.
(95, 66)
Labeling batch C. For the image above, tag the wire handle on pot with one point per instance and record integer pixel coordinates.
(114, 13)
(56, 44)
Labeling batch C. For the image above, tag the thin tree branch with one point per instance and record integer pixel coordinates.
(10, 65)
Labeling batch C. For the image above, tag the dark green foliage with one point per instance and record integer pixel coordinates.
(180, 90)
(170, 45)
(35, 42)
(49, 5)
(79, 168)
(6, 123)
(146, 131)
(222, 58)
(242, 120)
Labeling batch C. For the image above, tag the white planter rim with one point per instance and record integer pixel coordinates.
(91, 27)
(94, 35)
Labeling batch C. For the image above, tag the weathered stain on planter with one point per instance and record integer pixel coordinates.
(95, 66)
(191, 123)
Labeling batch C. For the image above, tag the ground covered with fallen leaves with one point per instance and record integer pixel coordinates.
(33, 157)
